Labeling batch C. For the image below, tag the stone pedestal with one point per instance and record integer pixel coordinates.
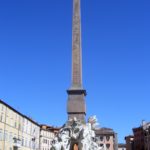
(76, 104)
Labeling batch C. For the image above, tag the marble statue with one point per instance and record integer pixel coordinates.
(74, 132)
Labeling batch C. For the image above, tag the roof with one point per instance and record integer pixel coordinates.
(10, 107)
(137, 129)
(121, 145)
(129, 136)
(49, 128)
(104, 131)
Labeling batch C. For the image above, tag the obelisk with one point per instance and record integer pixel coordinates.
(76, 94)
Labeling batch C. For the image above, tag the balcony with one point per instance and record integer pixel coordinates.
(17, 142)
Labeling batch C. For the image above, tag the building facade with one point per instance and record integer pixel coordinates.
(121, 146)
(146, 129)
(129, 142)
(16, 130)
(138, 138)
(106, 139)
(47, 134)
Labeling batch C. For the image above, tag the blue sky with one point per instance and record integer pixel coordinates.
(35, 59)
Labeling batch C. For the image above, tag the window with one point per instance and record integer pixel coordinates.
(1, 118)
(14, 138)
(22, 141)
(10, 137)
(11, 121)
(2, 107)
(107, 146)
(107, 138)
(30, 144)
(101, 138)
(7, 113)
(6, 136)
(1, 135)
(15, 125)
(26, 142)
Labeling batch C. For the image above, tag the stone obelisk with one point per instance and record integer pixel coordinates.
(76, 94)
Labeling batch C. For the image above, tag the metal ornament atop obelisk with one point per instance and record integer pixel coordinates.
(76, 103)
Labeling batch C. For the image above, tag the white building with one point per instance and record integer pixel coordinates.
(47, 134)
(17, 131)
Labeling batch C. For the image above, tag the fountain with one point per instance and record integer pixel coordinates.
(75, 135)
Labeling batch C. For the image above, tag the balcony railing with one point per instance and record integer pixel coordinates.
(17, 142)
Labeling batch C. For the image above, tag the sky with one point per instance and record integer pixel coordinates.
(35, 60)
